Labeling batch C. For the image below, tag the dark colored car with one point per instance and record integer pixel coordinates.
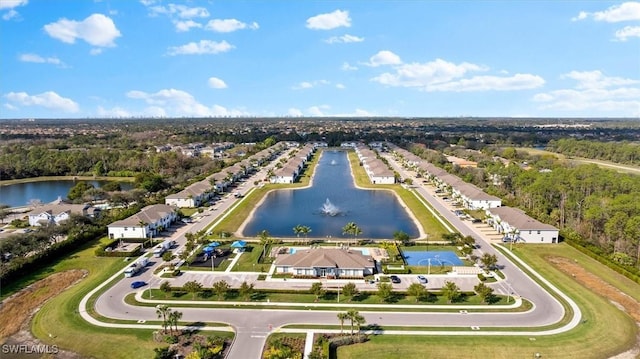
(394, 279)
(138, 284)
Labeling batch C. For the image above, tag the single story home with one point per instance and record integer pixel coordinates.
(326, 263)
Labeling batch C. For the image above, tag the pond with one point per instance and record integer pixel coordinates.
(329, 204)
(20, 194)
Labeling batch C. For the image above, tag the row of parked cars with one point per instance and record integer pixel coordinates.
(395, 279)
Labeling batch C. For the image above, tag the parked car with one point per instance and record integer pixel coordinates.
(394, 279)
(422, 279)
(138, 284)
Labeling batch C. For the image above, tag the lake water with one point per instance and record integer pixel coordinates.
(20, 194)
(378, 213)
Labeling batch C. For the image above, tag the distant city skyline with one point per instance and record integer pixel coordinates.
(151, 58)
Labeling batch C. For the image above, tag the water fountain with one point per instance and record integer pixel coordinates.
(329, 209)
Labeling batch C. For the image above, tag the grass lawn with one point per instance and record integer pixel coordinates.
(248, 261)
(604, 332)
(59, 323)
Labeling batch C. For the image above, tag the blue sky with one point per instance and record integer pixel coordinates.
(126, 58)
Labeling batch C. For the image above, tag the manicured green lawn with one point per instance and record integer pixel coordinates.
(248, 261)
(59, 323)
(604, 332)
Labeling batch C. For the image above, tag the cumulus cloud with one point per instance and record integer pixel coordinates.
(628, 11)
(10, 5)
(97, 30)
(217, 83)
(294, 112)
(441, 75)
(347, 67)
(340, 86)
(594, 92)
(316, 111)
(49, 99)
(329, 21)
(229, 25)
(115, 112)
(307, 84)
(627, 32)
(384, 57)
(180, 11)
(185, 25)
(35, 58)
(201, 47)
(346, 38)
(172, 102)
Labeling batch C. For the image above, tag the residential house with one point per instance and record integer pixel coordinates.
(517, 226)
(144, 224)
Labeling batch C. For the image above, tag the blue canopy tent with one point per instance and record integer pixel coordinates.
(208, 249)
(213, 244)
(238, 244)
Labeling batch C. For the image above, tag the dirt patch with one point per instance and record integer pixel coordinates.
(21, 305)
(621, 300)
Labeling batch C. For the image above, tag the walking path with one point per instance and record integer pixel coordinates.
(233, 262)
(308, 344)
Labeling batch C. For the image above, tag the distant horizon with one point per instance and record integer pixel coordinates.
(316, 59)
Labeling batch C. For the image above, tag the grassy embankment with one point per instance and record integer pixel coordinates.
(66, 178)
(604, 331)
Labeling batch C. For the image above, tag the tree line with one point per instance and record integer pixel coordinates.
(619, 152)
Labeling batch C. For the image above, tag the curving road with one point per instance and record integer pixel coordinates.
(252, 326)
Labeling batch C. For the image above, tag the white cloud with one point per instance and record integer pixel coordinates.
(40, 60)
(316, 111)
(340, 86)
(229, 25)
(425, 74)
(10, 4)
(596, 79)
(347, 67)
(294, 112)
(95, 51)
(217, 83)
(329, 21)
(628, 11)
(346, 38)
(49, 99)
(179, 103)
(594, 92)
(201, 47)
(116, 112)
(627, 32)
(384, 57)
(10, 15)
(97, 30)
(181, 11)
(185, 25)
(9, 106)
(490, 83)
(307, 85)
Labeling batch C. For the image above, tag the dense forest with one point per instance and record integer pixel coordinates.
(619, 152)
(596, 207)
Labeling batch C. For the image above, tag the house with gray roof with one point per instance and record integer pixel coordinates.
(326, 263)
(144, 224)
(519, 227)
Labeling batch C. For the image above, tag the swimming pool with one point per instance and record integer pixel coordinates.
(434, 258)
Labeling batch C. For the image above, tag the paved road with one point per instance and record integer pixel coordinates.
(252, 326)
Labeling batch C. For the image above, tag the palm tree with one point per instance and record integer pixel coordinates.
(355, 318)
(297, 230)
(352, 229)
(163, 311)
(264, 240)
(174, 318)
(342, 317)
(305, 230)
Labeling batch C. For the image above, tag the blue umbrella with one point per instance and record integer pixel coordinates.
(208, 249)
(213, 244)
(238, 244)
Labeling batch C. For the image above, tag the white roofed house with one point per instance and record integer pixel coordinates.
(56, 213)
(144, 224)
(287, 174)
(474, 198)
(192, 196)
(326, 262)
(517, 226)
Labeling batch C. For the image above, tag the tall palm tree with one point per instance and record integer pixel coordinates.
(265, 240)
(174, 318)
(352, 229)
(305, 230)
(297, 230)
(163, 311)
(342, 317)
(355, 318)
